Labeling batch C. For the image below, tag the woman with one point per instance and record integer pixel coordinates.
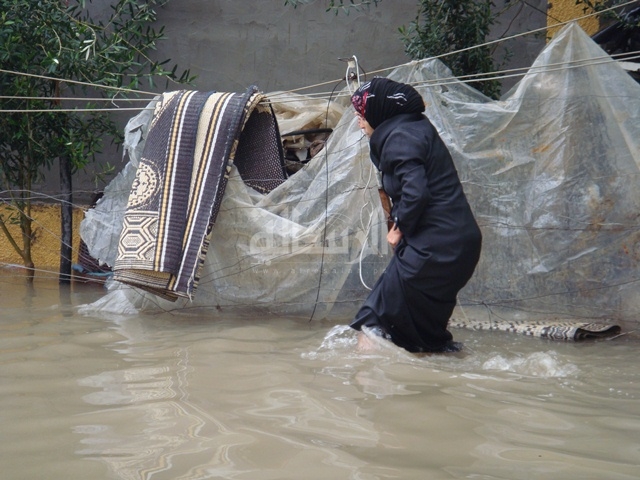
(435, 236)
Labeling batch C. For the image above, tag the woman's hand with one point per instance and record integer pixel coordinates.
(394, 236)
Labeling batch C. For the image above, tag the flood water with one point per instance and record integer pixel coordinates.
(174, 397)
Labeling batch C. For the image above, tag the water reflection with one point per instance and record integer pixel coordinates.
(151, 425)
(196, 400)
(174, 397)
(160, 418)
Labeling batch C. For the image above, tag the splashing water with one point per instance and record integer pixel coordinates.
(537, 364)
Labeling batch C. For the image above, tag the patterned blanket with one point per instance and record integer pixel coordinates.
(193, 140)
(552, 329)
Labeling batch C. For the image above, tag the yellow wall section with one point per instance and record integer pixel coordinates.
(566, 10)
(46, 245)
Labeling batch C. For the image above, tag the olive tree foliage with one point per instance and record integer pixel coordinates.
(622, 14)
(451, 29)
(51, 50)
(337, 6)
(455, 30)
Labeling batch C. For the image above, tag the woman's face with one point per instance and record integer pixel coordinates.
(364, 125)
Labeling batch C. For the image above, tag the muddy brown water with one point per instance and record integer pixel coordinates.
(174, 397)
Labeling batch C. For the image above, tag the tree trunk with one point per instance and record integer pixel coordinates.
(27, 238)
(66, 220)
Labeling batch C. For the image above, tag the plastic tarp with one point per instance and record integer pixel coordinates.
(551, 171)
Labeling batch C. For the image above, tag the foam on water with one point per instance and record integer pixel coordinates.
(537, 364)
(341, 341)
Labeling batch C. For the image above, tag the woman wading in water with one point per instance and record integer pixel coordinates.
(435, 237)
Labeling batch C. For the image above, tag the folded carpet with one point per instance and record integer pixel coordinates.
(192, 142)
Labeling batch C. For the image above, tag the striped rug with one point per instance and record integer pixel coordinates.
(191, 145)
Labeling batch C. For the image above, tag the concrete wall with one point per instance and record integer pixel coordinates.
(231, 44)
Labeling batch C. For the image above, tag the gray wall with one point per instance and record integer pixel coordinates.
(232, 44)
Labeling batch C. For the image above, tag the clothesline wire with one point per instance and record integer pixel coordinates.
(330, 82)
(76, 99)
(76, 110)
(79, 82)
(513, 72)
(321, 96)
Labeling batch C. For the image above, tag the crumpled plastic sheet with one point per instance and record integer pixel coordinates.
(304, 249)
(551, 171)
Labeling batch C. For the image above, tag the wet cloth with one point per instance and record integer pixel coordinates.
(414, 298)
(193, 140)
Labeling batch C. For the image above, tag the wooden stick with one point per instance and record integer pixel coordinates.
(386, 206)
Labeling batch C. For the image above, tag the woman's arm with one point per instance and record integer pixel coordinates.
(404, 156)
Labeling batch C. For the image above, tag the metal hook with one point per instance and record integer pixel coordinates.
(352, 75)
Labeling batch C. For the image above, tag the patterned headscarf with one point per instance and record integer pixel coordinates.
(381, 98)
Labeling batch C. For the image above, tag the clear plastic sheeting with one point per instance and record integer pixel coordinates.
(304, 249)
(551, 171)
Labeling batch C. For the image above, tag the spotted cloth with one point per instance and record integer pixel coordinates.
(193, 141)
(555, 330)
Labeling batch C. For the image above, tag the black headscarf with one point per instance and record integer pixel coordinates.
(381, 98)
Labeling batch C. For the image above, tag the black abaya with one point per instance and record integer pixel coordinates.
(412, 301)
